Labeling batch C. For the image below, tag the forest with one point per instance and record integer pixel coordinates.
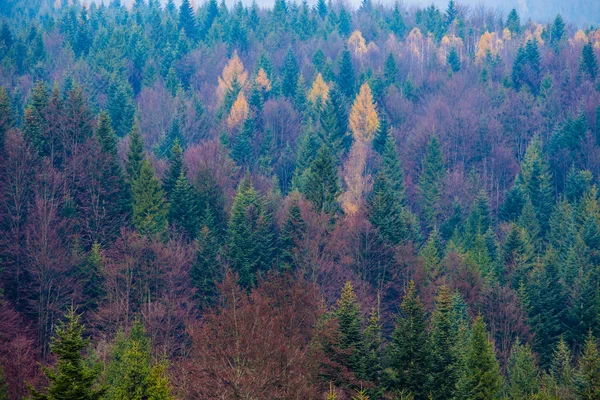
(213, 201)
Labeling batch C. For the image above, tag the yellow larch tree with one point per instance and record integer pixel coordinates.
(488, 42)
(535, 32)
(319, 92)
(446, 44)
(263, 81)
(363, 117)
(233, 70)
(357, 44)
(239, 111)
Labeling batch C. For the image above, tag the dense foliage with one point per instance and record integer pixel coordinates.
(301, 202)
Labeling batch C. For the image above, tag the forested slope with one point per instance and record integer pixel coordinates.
(297, 202)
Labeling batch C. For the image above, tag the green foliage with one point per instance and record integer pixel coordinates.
(135, 153)
(346, 80)
(72, 377)
(321, 183)
(522, 371)
(6, 115)
(183, 207)
(290, 75)
(589, 64)
(149, 205)
(348, 316)
(557, 32)
(431, 181)
(513, 22)
(453, 60)
(292, 232)
(175, 170)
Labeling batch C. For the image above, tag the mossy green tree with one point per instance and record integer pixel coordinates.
(150, 208)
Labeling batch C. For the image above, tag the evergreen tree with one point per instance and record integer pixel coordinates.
(558, 30)
(73, 377)
(135, 154)
(513, 22)
(3, 386)
(536, 181)
(92, 278)
(451, 14)
(561, 368)
(372, 345)
(384, 210)
(453, 60)
(6, 116)
(292, 231)
(187, 20)
(382, 133)
(513, 204)
(290, 75)
(397, 24)
(347, 314)
(175, 170)
(344, 23)
(149, 206)
(393, 169)
(106, 136)
(251, 240)
(443, 339)
(322, 8)
(522, 372)
(183, 208)
(346, 80)
(321, 183)
(334, 125)
(205, 272)
(589, 64)
(408, 350)
(390, 69)
(120, 105)
(431, 180)
(588, 374)
(483, 379)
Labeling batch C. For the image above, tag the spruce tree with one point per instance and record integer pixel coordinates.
(322, 8)
(453, 60)
(384, 210)
(348, 316)
(149, 205)
(120, 105)
(396, 23)
(443, 338)
(522, 372)
(382, 133)
(183, 207)
(589, 64)
(483, 379)
(334, 130)
(372, 346)
(6, 116)
(292, 231)
(135, 153)
(344, 23)
(390, 70)
(558, 30)
(513, 22)
(561, 368)
(73, 377)
(321, 183)
(251, 239)
(175, 169)
(431, 180)
(205, 272)
(346, 80)
(290, 75)
(187, 20)
(408, 351)
(588, 374)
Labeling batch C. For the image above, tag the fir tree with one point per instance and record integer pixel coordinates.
(347, 314)
(381, 135)
(451, 14)
(346, 80)
(187, 20)
(372, 345)
(322, 8)
(321, 183)
(431, 180)
(120, 106)
(483, 379)
(384, 210)
(513, 22)
(589, 64)
(561, 368)
(205, 272)
(175, 170)
(453, 60)
(183, 207)
(6, 116)
(149, 206)
(397, 24)
(106, 136)
(390, 69)
(558, 30)
(292, 231)
(334, 131)
(344, 23)
(408, 351)
(73, 377)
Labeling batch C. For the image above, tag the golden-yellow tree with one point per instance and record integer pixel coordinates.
(263, 81)
(239, 112)
(364, 122)
(488, 42)
(357, 44)
(319, 92)
(234, 70)
(363, 117)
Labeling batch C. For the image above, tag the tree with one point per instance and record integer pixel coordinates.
(73, 377)
(444, 374)
(558, 30)
(321, 183)
(6, 116)
(348, 316)
(384, 210)
(588, 374)
(431, 180)
(344, 23)
(149, 205)
(289, 79)
(483, 379)
(322, 8)
(292, 231)
(561, 368)
(453, 60)
(334, 132)
(589, 64)
(451, 14)
(183, 207)
(522, 372)
(408, 351)
(513, 22)
(187, 20)
(175, 170)
(345, 78)
(135, 153)
(390, 69)
(364, 120)
(251, 240)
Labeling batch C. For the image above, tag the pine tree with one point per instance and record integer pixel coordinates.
(589, 64)
(322, 8)
(390, 70)
(384, 210)
(408, 352)
(451, 14)
(120, 106)
(292, 231)
(251, 240)
(175, 170)
(321, 183)
(443, 338)
(561, 368)
(483, 379)
(290, 75)
(397, 25)
(344, 23)
(393, 169)
(149, 206)
(558, 30)
(135, 154)
(106, 136)
(372, 345)
(334, 130)
(431, 180)
(73, 377)
(522, 371)
(346, 80)
(588, 374)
